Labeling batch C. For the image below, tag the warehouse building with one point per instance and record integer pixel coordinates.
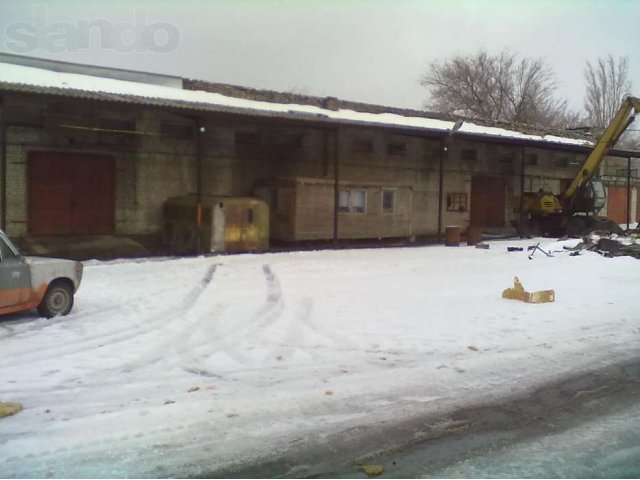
(88, 151)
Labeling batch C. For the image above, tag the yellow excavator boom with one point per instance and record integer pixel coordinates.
(609, 137)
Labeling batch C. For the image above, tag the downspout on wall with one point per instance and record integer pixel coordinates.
(200, 132)
(521, 206)
(629, 192)
(3, 165)
(443, 151)
(336, 192)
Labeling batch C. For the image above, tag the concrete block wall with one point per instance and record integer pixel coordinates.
(413, 171)
(152, 166)
(161, 167)
(148, 168)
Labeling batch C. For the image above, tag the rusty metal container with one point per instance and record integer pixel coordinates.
(227, 224)
(474, 235)
(452, 236)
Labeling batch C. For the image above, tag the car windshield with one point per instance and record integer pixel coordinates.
(7, 249)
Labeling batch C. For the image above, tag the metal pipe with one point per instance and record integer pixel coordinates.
(443, 150)
(336, 192)
(522, 172)
(628, 191)
(325, 153)
(445, 142)
(3, 164)
(200, 131)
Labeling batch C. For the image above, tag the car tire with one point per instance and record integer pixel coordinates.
(58, 300)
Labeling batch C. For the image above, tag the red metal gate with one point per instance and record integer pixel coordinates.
(487, 201)
(617, 203)
(71, 193)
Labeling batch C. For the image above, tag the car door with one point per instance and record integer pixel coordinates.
(15, 284)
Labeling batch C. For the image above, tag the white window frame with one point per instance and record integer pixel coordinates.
(350, 207)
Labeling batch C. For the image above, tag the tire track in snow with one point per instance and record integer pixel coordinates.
(178, 343)
(145, 326)
(226, 338)
(294, 334)
(267, 314)
(31, 322)
(273, 306)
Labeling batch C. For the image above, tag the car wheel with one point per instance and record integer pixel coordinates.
(57, 301)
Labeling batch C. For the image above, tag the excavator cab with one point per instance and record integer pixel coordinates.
(590, 198)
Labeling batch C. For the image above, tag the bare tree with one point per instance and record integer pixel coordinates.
(499, 87)
(608, 83)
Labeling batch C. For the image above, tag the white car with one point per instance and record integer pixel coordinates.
(47, 284)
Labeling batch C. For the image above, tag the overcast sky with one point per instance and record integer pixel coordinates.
(373, 51)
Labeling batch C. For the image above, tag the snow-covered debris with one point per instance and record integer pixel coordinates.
(610, 245)
(183, 367)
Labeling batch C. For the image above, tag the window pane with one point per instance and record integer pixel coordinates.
(456, 202)
(388, 200)
(358, 201)
(343, 202)
(5, 251)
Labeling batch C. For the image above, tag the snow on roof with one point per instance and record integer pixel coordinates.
(19, 75)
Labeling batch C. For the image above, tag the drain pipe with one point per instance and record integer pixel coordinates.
(200, 132)
(444, 149)
(3, 165)
(521, 206)
(336, 191)
(629, 192)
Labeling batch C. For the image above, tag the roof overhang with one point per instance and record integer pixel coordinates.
(310, 118)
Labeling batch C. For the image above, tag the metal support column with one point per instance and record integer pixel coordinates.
(3, 165)
(443, 151)
(628, 191)
(521, 206)
(336, 192)
(200, 132)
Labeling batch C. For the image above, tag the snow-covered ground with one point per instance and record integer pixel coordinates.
(177, 367)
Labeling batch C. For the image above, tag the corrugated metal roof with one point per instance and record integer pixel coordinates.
(26, 79)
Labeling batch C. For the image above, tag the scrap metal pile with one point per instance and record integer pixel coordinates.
(610, 244)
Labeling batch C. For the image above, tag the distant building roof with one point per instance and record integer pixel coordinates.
(93, 70)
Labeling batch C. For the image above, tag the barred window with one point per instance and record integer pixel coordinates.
(456, 202)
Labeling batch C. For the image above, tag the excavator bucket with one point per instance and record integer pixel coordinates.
(519, 293)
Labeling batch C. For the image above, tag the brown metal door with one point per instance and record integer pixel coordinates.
(93, 199)
(617, 203)
(71, 193)
(487, 201)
